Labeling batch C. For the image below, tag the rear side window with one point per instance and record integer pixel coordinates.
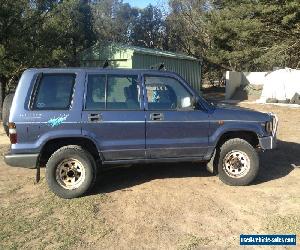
(122, 92)
(112, 92)
(95, 98)
(54, 92)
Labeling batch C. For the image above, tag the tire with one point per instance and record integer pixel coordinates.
(61, 174)
(6, 110)
(238, 163)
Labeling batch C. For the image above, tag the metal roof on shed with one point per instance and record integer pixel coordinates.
(158, 52)
(108, 50)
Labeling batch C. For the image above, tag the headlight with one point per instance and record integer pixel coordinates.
(269, 126)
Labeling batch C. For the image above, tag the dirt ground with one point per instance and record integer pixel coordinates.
(157, 206)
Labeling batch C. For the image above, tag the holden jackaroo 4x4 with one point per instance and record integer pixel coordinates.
(77, 120)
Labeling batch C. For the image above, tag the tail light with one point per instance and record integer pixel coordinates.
(12, 132)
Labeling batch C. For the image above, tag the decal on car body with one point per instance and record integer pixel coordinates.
(56, 121)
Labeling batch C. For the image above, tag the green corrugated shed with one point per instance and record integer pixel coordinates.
(126, 56)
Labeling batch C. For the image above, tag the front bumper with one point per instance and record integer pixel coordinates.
(268, 142)
(21, 160)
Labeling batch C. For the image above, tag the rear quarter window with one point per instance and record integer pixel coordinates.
(54, 92)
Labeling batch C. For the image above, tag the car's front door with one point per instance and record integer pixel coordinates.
(173, 128)
(114, 115)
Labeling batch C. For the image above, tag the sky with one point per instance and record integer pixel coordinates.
(140, 3)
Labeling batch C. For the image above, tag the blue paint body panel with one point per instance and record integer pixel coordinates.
(127, 134)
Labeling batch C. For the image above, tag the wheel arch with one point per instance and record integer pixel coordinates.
(250, 136)
(55, 143)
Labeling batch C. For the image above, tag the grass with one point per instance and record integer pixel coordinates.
(289, 224)
(191, 242)
(48, 220)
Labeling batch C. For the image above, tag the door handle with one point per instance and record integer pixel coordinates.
(156, 116)
(94, 117)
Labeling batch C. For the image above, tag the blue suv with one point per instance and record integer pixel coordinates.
(75, 121)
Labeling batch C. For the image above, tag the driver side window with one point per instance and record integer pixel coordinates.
(166, 93)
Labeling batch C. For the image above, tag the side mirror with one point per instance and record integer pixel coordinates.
(186, 102)
(189, 102)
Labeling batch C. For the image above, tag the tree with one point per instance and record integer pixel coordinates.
(148, 28)
(189, 31)
(256, 35)
(187, 27)
(248, 35)
(281, 21)
(42, 33)
(19, 25)
(70, 31)
(113, 20)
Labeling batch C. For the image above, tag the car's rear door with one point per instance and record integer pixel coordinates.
(53, 107)
(173, 128)
(114, 115)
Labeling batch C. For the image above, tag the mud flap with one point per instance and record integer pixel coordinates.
(38, 171)
(212, 165)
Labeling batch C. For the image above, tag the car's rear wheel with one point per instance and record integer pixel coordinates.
(71, 172)
(238, 162)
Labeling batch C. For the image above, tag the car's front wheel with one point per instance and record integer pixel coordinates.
(71, 172)
(238, 162)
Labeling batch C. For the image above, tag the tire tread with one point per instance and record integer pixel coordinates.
(69, 194)
(254, 161)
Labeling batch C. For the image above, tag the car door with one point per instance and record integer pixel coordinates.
(173, 127)
(52, 107)
(114, 115)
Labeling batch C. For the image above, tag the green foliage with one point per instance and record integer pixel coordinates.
(42, 33)
(244, 35)
(148, 28)
(72, 29)
(113, 20)
(52, 33)
(187, 27)
(248, 35)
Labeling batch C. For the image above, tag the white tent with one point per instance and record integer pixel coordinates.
(281, 84)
